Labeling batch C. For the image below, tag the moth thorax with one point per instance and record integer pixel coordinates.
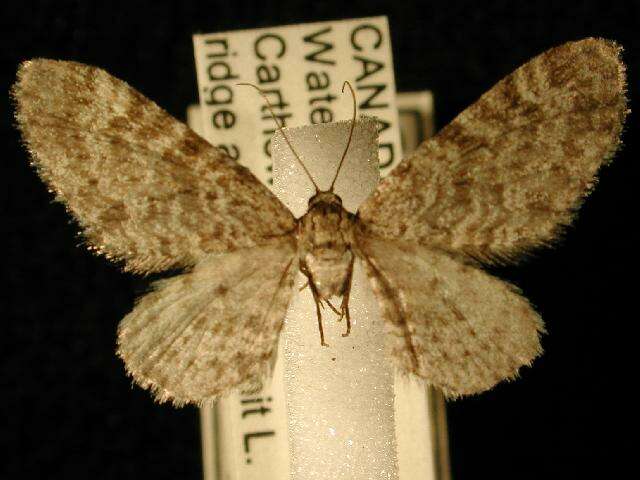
(325, 230)
(325, 239)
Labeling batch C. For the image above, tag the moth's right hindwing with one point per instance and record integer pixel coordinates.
(201, 334)
(449, 323)
(144, 187)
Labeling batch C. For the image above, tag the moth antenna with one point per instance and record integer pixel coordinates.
(353, 124)
(280, 129)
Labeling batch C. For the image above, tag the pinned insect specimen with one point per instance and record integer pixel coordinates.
(504, 177)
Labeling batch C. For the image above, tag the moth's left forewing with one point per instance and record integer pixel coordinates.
(449, 323)
(144, 187)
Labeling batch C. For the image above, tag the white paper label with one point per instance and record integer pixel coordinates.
(421, 422)
(301, 68)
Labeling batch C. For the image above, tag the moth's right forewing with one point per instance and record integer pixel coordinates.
(201, 334)
(144, 187)
(449, 323)
(511, 169)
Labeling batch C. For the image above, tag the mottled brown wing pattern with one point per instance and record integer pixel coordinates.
(510, 170)
(449, 323)
(143, 186)
(503, 177)
(201, 334)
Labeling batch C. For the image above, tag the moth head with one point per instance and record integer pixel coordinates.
(328, 200)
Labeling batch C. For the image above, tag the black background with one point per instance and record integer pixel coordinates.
(68, 409)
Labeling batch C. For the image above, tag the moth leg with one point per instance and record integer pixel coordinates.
(344, 307)
(316, 298)
(335, 310)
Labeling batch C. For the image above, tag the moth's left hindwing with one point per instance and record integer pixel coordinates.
(144, 187)
(201, 334)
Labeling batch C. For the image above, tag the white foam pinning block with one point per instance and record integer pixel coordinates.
(339, 399)
(320, 147)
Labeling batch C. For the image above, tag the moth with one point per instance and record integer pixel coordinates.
(502, 178)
